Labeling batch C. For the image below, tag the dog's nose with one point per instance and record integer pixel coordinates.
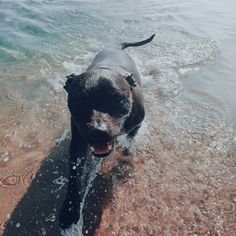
(98, 136)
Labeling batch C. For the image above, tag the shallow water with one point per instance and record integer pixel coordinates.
(189, 74)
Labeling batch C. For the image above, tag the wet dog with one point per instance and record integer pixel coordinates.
(105, 101)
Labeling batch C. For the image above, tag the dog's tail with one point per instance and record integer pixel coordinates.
(137, 44)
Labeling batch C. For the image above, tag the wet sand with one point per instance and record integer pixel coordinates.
(170, 186)
(148, 194)
(26, 139)
(15, 178)
(168, 195)
(36, 212)
(181, 180)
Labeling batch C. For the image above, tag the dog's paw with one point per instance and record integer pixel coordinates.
(69, 213)
(129, 149)
(126, 151)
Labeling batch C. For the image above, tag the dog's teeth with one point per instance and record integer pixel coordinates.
(102, 149)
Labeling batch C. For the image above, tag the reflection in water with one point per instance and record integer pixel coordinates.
(183, 175)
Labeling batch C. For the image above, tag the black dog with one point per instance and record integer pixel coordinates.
(105, 101)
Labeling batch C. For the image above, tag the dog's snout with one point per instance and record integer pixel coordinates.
(98, 136)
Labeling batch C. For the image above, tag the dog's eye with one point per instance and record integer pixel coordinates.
(82, 110)
(119, 108)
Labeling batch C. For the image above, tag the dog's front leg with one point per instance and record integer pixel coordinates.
(129, 148)
(70, 211)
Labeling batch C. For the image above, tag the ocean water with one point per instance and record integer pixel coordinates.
(42, 41)
(188, 71)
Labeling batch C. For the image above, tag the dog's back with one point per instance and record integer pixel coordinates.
(115, 60)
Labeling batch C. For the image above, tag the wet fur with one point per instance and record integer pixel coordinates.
(106, 100)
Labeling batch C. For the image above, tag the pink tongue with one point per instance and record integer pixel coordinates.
(101, 148)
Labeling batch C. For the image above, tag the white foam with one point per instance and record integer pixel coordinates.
(188, 70)
(63, 136)
(71, 67)
(61, 181)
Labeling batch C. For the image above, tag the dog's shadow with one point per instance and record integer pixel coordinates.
(37, 212)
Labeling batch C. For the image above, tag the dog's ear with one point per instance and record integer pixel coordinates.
(70, 78)
(131, 80)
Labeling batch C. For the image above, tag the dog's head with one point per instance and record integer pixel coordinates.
(99, 106)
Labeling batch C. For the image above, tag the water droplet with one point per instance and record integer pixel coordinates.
(6, 159)
(233, 197)
(17, 225)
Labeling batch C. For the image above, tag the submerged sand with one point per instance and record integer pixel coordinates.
(184, 186)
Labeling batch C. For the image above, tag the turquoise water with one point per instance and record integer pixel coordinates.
(42, 41)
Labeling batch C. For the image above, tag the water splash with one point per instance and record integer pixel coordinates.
(91, 169)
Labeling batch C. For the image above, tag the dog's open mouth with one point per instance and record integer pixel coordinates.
(102, 149)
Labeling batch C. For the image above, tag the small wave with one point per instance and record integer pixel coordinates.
(10, 53)
(33, 29)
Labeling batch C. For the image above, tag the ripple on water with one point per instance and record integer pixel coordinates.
(10, 181)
